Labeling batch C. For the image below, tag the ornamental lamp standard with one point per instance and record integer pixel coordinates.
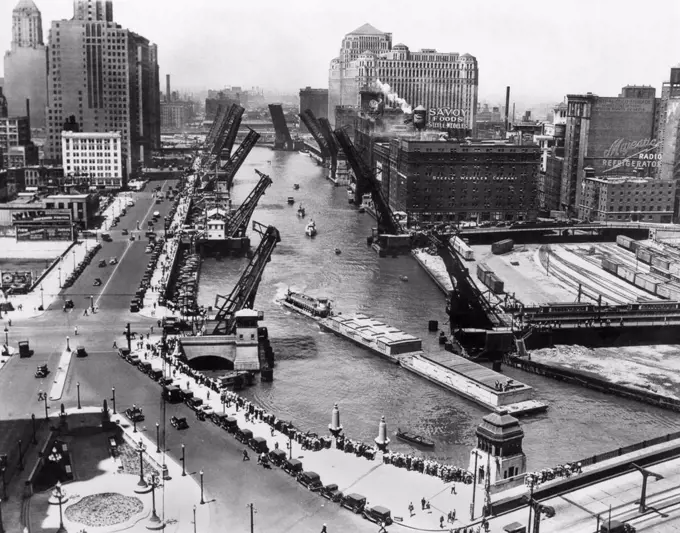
(78, 389)
(59, 269)
(113, 399)
(7, 339)
(74, 259)
(59, 494)
(140, 449)
(202, 500)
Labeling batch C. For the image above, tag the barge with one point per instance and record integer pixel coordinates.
(381, 338)
(309, 306)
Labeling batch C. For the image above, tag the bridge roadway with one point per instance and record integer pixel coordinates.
(476, 230)
(282, 504)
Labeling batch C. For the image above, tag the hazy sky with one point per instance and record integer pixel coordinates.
(543, 49)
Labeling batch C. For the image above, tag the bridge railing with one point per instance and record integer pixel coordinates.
(605, 456)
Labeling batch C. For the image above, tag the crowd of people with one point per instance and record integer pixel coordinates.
(548, 474)
(360, 449)
(446, 473)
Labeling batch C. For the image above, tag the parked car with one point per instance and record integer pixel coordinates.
(310, 480)
(378, 514)
(102, 263)
(331, 492)
(354, 502)
(135, 414)
(179, 423)
(80, 351)
(195, 403)
(293, 467)
(259, 445)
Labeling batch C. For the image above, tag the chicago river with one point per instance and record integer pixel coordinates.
(316, 369)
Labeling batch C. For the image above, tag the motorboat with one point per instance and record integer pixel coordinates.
(296, 186)
(338, 251)
(403, 278)
(362, 209)
(291, 200)
(414, 438)
(301, 211)
(310, 230)
(319, 307)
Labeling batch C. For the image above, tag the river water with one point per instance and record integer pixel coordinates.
(316, 369)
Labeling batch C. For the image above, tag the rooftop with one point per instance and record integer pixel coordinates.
(366, 29)
(90, 135)
(370, 328)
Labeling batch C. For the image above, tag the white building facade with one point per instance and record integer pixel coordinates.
(94, 157)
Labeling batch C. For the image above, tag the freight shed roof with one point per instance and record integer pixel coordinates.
(371, 328)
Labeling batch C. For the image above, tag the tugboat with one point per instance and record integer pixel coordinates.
(310, 230)
(403, 278)
(296, 186)
(362, 209)
(350, 196)
(338, 251)
(307, 305)
(291, 200)
(301, 211)
(413, 438)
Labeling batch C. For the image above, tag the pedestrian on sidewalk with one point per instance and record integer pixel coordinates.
(453, 515)
(422, 504)
(115, 345)
(75, 330)
(410, 509)
(151, 329)
(453, 489)
(323, 529)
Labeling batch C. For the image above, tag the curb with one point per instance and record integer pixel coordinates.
(57, 388)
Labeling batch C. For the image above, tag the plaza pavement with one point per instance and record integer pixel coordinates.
(382, 484)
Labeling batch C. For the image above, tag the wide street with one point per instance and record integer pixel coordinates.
(230, 484)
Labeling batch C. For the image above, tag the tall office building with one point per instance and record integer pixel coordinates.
(315, 100)
(26, 64)
(444, 83)
(107, 77)
(613, 135)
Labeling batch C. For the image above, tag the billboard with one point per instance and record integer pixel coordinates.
(447, 118)
(33, 233)
(621, 135)
(19, 282)
(42, 215)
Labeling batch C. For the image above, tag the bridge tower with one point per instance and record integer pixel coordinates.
(246, 326)
(498, 455)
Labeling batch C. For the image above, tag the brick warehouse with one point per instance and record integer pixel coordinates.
(442, 181)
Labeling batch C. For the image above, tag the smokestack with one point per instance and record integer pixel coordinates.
(28, 112)
(507, 106)
(167, 87)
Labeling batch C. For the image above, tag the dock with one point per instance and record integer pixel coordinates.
(475, 382)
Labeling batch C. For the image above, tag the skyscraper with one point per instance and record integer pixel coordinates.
(107, 77)
(445, 83)
(26, 64)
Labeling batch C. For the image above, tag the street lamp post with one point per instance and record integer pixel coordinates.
(92, 302)
(59, 269)
(184, 462)
(59, 494)
(474, 487)
(42, 297)
(7, 339)
(140, 449)
(4, 485)
(78, 389)
(35, 441)
(74, 259)
(154, 483)
(113, 399)
(202, 500)
(21, 456)
(158, 438)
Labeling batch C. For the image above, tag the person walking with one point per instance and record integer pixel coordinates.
(75, 330)
(115, 345)
(323, 529)
(422, 504)
(441, 521)
(410, 509)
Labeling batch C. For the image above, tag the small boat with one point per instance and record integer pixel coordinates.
(310, 230)
(403, 278)
(291, 200)
(296, 186)
(301, 211)
(338, 251)
(362, 209)
(413, 438)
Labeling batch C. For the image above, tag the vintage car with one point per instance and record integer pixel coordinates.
(97, 282)
(24, 349)
(102, 263)
(113, 261)
(310, 480)
(135, 414)
(258, 445)
(378, 514)
(244, 435)
(125, 232)
(81, 351)
(331, 492)
(42, 371)
(277, 456)
(292, 466)
(195, 404)
(179, 423)
(354, 502)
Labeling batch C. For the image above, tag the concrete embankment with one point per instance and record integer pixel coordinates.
(593, 382)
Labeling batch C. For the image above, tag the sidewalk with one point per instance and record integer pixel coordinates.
(382, 484)
(47, 291)
(93, 476)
